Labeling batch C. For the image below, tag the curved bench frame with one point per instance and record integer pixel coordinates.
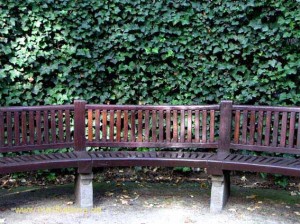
(222, 129)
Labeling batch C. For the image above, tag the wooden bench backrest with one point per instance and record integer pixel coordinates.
(153, 126)
(36, 127)
(264, 128)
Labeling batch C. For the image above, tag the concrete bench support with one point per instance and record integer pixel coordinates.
(84, 190)
(220, 192)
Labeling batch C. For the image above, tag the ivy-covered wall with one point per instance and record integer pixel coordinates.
(126, 51)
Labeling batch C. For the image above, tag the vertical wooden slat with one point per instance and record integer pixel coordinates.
(292, 130)
(298, 132)
(153, 126)
(104, 125)
(16, 128)
(268, 128)
(225, 129)
(79, 127)
(38, 127)
(168, 125)
(53, 126)
(182, 126)
(237, 126)
(1, 129)
(147, 126)
(24, 128)
(97, 125)
(31, 127)
(212, 126)
(175, 126)
(161, 125)
(60, 126)
(111, 125)
(283, 129)
(197, 126)
(260, 127)
(140, 126)
(125, 125)
(90, 125)
(68, 129)
(275, 129)
(245, 126)
(204, 123)
(189, 127)
(252, 127)
(9, 128)
(132, 132)
(46, 126)
(118, 125)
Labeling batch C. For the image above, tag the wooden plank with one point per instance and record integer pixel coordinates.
(189, 126)
(125, 125)
(97, 125)
(1, 129)
(260, 127)
(275, 129)
(9, 128)
(298, 133)
(237, 126)
(212, 126)
(197, 126)
(161, 125)
(146, 125)
(16, 127)
(24, 128)
(153, 125)
(292, 129)
(53, 126)
(225, 128)
(31, 127)
(38, 127)
(168, 125)
(132, 130)
(268, 128)
(60, 126)
(175, 126)
(90, 125)
(252, 127)
(244, 127)
(182, 126)
(104, 125)
(46, 127)
(111, 125)
(204, 126)
(79, 126)
(68, 123)
(118, 125)
(140, 126)
(283, 129)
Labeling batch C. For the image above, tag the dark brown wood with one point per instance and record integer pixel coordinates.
(111, 125)
(283, 129)
(79, 125)
(260, 127)
(38, 127)
(275, 129)
(46, 126)
(140, 126)
(146, 125)
(16, 128)
(268, 128)
(53, 126)
(168, 125)
(125, 125)
(182, 126)
(90, 125)
(298, 133)
(104, 125)
(252, 127)
(204, 127)
(244, 127)
(60, 126)
(31, 127)
(225, 128)
(161, 125)
(175, 126)
(132, 130)
(118, 138)
(153, 125)
(1, 129)
(197, 126)
(68, 128)
(212, 126)
(292, 130)
(189, 126)
(237, 126)
(9, 128)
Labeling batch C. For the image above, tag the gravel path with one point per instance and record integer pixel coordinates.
(142, 203)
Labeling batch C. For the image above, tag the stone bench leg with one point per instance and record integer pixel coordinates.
(220, 192)
(84, 190)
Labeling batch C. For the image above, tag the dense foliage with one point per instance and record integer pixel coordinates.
(126, 51)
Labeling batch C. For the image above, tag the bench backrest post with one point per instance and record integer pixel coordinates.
(79, 125)
(225, 128)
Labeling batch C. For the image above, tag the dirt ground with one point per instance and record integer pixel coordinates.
(143, 202)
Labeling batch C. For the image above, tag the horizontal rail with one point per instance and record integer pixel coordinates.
(37, 108)
(151, 107)
(36, 147)
(152, 144)
(266, 108)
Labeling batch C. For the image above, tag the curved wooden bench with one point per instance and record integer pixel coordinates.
(210, 137)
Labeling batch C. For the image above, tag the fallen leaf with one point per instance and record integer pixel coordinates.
(251, 196)
(243, 178)
(109, 194)
(293, 193)
(70, 203)
(124, 202)
(297, 213)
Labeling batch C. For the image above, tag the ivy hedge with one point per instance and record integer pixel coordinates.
(168, 51)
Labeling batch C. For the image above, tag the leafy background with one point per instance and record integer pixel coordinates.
(154, 52)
